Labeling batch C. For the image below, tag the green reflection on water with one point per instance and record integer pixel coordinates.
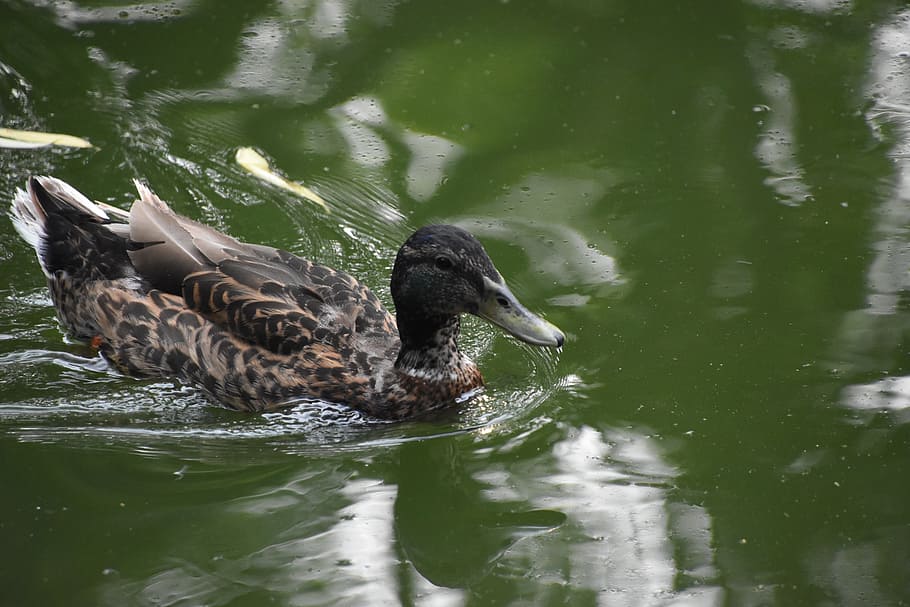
(709, 198)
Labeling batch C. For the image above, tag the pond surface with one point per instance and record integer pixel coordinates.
(712, 199)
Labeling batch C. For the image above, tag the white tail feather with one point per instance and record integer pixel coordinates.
(28, 218)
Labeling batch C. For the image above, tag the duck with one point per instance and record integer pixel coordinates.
(256, 328)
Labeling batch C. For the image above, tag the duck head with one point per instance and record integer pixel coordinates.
(441, 272)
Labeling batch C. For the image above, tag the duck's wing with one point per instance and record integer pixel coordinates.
(167, 247)
(284, 303)
(261, 294)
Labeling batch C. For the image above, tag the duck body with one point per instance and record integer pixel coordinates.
(255, 327)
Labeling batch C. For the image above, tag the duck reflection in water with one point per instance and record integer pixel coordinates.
(445, 526)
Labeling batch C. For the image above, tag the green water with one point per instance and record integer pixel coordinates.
(710, 198)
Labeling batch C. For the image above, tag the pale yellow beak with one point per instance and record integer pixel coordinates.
(500, 307)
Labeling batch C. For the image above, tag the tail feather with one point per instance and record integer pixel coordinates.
(68, 231)
(28, 219)
(57, 195)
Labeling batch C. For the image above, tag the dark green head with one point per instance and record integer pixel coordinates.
(442, 271)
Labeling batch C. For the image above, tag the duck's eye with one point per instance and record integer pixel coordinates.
(444, 263)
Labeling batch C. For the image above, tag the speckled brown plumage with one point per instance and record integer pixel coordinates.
(256, 327)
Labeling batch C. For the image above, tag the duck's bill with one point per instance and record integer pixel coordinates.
(500, 307)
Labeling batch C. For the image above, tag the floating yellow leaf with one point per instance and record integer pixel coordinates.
(12, 138)
(253, 162)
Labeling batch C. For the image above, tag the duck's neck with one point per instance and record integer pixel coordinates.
(431, 353)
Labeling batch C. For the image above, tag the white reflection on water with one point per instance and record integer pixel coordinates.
(776, 147)
(366, 129)
(281, 54)
(358, 121)
(264, 64)
(810, 6)
(73, 14)
(300, 556)
(850, 574)
(631, 538)
(558, 251)
(353, 557)
(890, 393)
(431, 155)
(871, 339)
(890, 85)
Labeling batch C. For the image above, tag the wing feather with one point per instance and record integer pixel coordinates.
(266, 296)
(169, 247)
(272, 304)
